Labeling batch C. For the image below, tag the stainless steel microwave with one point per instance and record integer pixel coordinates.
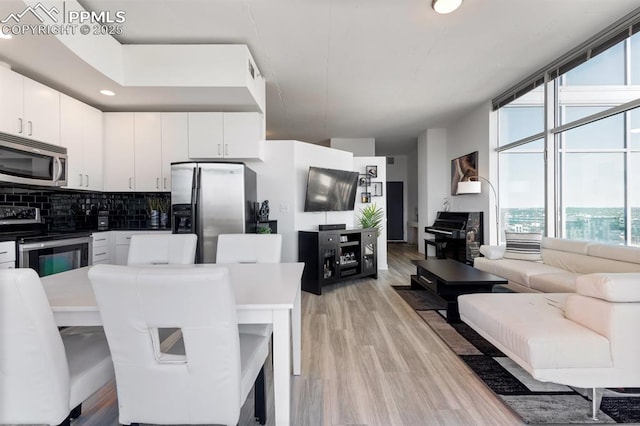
(32, 162)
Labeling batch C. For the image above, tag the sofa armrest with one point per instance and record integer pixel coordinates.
(492, 252)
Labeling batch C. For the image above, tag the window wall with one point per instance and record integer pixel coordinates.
(576, 174)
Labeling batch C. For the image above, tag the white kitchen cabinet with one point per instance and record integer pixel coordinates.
(122, 241)
(7, 255)
(101, 247)
(139, 148)
(28, 108)
(243, 135)
(206, 135)
(175, 143)
(81, 134)
(11, 102)
(119, 164)
(226, 135)
(148, 151)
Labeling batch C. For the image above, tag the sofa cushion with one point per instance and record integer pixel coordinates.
(570, 246)
(614, 252)
(584, 264)
(534, 329)
(523, 245)
(556, 282)
(568, 261)
(614, 287)
(517, 271)
(492, 252)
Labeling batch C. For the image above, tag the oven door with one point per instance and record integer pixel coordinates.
(52, 257)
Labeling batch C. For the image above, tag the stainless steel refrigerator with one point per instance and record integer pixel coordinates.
(209, 199)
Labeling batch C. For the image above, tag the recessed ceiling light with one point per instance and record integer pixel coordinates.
(636, 130)
(107, 92)
(5, 36)
(445, 6)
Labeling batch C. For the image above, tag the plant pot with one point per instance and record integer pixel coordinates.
(155, 219)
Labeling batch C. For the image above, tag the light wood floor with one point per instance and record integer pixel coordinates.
(367, 359)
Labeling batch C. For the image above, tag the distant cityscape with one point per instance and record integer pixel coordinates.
(581, 223)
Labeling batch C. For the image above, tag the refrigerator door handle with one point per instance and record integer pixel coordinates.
(196, 222)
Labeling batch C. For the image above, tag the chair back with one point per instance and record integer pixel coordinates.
(249, 248)
(34, 374)
(173, 249)
(203, 385)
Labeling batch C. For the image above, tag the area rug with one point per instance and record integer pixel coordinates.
(534, 401)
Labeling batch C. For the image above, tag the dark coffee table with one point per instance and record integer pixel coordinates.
(449, 279)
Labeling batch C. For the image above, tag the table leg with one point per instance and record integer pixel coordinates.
(282, 366)
(296, 326)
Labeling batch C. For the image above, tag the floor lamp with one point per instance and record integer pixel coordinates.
(474, 186)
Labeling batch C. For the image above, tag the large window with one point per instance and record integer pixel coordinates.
(579, 177)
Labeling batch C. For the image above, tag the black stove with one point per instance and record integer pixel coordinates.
(24, 225)
(45, 251)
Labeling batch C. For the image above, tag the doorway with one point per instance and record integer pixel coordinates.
(395, 211)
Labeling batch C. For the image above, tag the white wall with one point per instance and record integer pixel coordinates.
(433, 180)
(282, 179)
(397, 172)
(412, 193)
(359, 164)
(275, 181)
(360, 147)
(305, 156)
(477, 132)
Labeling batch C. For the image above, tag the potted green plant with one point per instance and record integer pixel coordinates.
(371, 216)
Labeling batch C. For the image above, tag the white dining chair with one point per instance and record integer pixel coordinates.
(44, 377)
(250, 248)
(206, 384)
(172, 249)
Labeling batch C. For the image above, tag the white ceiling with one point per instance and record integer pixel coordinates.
(341, 68)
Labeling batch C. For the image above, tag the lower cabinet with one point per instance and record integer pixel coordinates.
(122, 241)
(101, 247)
(337, 255)
(7, 255)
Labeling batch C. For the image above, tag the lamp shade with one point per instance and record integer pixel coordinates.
(445, 6)
(469, 187)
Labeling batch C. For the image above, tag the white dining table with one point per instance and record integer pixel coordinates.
(264, 293)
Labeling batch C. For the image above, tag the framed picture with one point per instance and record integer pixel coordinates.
(365, 197)
(463, 169)
(376, 189)
(372, 171)
(364, 181)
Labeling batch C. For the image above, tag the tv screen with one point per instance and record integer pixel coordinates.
(330, 190)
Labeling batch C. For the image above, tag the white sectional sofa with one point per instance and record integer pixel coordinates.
(587, 339)
(562, 262)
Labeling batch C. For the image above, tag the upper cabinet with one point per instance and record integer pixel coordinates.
(81, 134)
(226, 135)
(140, 147)
(206, 135)
(28, 108)
(118, 151)
(175, 143)
(147, 151)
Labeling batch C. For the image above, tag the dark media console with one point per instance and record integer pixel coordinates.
(336, 255)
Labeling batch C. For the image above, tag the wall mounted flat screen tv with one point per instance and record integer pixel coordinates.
(330, 190)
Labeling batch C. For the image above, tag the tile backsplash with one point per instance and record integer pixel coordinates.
(64, 210)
